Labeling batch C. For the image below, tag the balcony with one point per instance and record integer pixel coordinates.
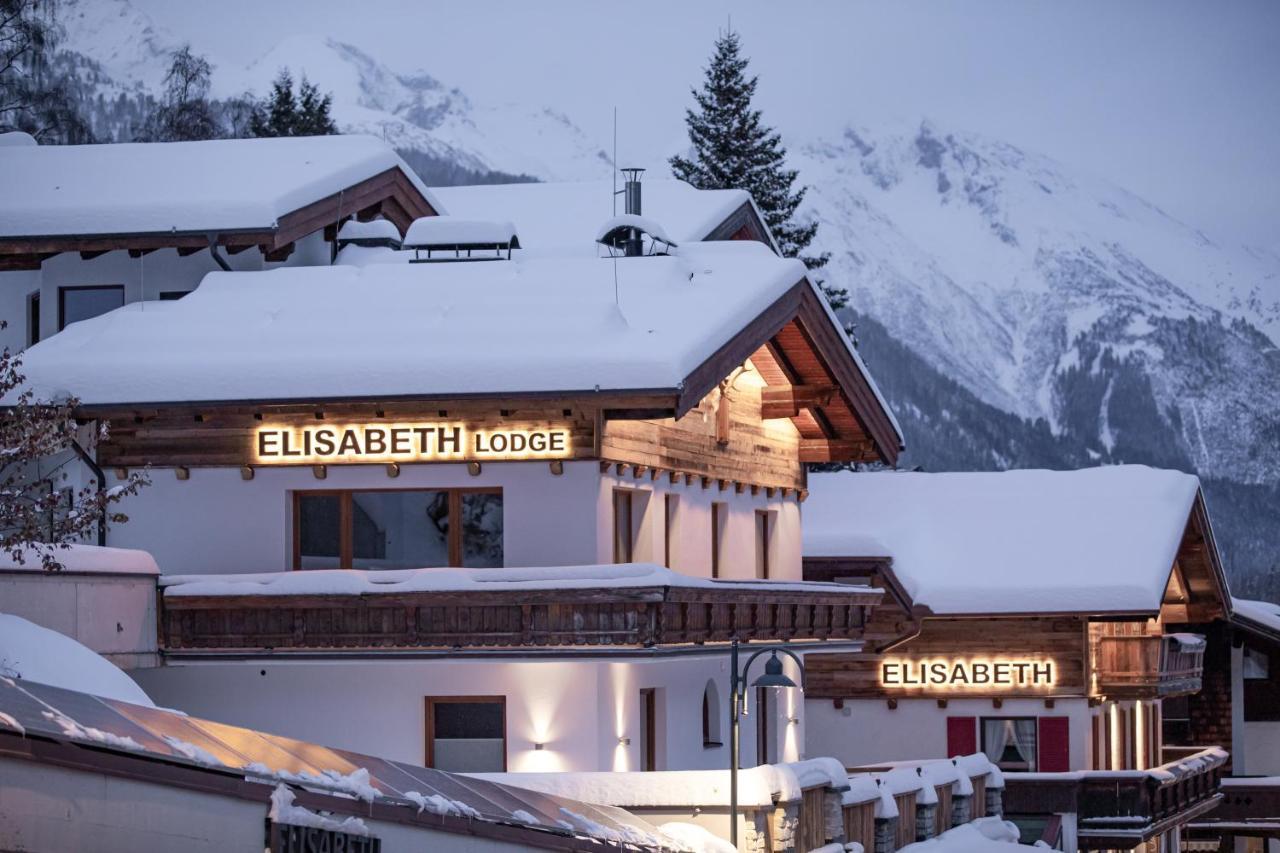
(1149, 666)
(497, 608)
(1119, 809)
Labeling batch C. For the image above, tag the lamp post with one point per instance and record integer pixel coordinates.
(773, 677)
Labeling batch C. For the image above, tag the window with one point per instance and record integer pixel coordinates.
(648, 729)
(86, 301)
(33, 318)
(764, 537)
(467, 734)
(719, 514)
(1010, 742)
(397, 529)
(172, 295)
(711, 716)
(1256, 665)
(670, 504)
(623, 531)
(766, 713)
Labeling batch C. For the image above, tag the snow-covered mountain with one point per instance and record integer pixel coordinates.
(1057, 295)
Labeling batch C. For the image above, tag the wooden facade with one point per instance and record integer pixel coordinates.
(627, 616)
(1062, 640)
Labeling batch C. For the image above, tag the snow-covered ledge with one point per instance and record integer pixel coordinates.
(104, 598)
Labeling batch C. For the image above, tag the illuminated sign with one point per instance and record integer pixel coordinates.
(321, 444)
(966, 673)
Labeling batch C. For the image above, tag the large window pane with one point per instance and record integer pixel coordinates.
(81, 303)
(481, 530)
(319, 531)
(399, 530)
(468, 736)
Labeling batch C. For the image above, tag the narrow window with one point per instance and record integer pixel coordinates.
(648, 729)
(467, 734)
(172, 295)
(711, 716)
(33, 318)
(671, 504)
(764, 525)
(766, 711)
(719, 513)
(398, 529)
(1257, 666)
(1010, 742)
(86, 301)
(623, 542)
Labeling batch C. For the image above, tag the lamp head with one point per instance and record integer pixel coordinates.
(773, 675)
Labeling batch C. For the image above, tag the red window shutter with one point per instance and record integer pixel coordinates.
(1054, 743)
(962, 736)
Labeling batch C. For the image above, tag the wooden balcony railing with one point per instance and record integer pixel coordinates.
(1121, 808)
(605, 616)
(1136, 667)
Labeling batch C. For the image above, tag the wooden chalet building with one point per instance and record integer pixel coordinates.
(1049, 619)
(636, 428)
(85, 229)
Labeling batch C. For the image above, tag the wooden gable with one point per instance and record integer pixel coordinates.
(1196, 592)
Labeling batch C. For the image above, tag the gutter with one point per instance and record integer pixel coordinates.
(102, 486)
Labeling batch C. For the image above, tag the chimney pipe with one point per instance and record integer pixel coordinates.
(631, 189)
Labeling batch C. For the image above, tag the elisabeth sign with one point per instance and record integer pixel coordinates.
(439, 441)
(966, 673)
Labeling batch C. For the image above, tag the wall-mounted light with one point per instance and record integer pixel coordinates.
(557, 467)
(624, 741)
(122, 473)
(182, 472)
(393, 469)
(473, 468)
(539, 746)
(319, 471)
(246, 472)
(795, 721)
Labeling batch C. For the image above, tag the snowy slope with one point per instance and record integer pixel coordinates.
(1053, 294)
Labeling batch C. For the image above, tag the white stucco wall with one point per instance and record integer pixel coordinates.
(579, 709)
(1261, 749)
(691, 529)
(866, 731)
(217, 522)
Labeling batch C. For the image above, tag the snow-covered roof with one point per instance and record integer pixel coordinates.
(984, 835)
(432, 231)
(375, 230)
(569, 213)
(1095, 540)
(76, 557)
(358, 582)
(564, 323)
(29, 652)
(158, 187)
(1263, 613)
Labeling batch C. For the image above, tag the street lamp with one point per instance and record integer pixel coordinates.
(773, 677)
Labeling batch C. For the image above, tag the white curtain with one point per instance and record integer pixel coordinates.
(1024, 740)
(995, 737)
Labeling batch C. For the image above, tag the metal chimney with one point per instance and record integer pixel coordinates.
(631, 189)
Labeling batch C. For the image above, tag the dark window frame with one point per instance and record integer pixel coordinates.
(173, 295)
(719, 520)
(346, 535)
(764, 542)
(649, 726)
(33, 318)
(670, 506)
(430, 702)
(64, 290)
(1035, 751)
(624, 538)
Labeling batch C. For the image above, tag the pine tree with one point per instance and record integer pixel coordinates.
(40, 514)
(734, 149)
(282, 113)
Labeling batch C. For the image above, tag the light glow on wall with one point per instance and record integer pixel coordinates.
(979, 673)
(421, 441)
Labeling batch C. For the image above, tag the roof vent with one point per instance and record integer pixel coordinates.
(374, 233)
(444, 238)
(626, 234)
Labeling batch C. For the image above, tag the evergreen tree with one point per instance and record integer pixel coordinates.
(282, 113)
(185, 113)
(40, 512)
(734, 149)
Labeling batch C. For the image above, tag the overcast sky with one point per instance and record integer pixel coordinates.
(1176, 100)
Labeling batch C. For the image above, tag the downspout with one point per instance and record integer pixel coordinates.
(216, 255)
(102, 486)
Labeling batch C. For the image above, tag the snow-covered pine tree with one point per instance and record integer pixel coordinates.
(40, 513)
(282, 113)
(734, 149)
